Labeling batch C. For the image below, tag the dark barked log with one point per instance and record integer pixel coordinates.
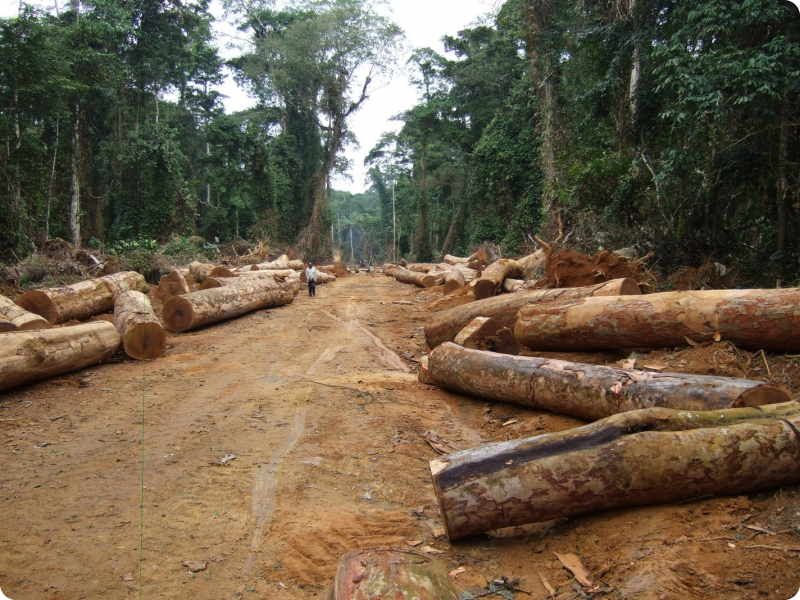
(492, 277)
(403, 275)
(649, 456)
(443, 326)
(19, 319)
(590, 392)
(80, 300)
(766, 319)
(182, 313)
(389, 573)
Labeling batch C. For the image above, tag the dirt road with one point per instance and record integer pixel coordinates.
(277, 442)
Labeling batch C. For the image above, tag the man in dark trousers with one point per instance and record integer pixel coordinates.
(311, 275)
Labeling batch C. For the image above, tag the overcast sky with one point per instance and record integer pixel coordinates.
(424, 22)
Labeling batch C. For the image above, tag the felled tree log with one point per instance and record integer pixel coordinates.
(82, 299)
(478, 256)
(19, 319)
(527, 264)
(641, 457)
(485, 333)
(390, 573)
(280, 265)
(217, 282)
(171, 285)
(322, 277)
(492, 278)
(454, 280)
(403, 275)
(182, 313)
(443, 326)
(142, 334)
(513, 286)
(758, 319)
(202, 271)
(27, 356)
(588, 392)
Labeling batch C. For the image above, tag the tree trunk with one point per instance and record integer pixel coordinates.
(322, 277)
(421, 279)
(757, 319)
(280, 265)
(18, 318)
(80, 300)
(171, 285)
(512, 286)
(492, 278)
(142, 335)
(648, 456)
(27, 356)
(390, 573)
(75, 193)
(479, 255)
(252, 276)
(444, 325)
(201, 271)
(484, 333)
(527, 264)
(454, 280)
(588, 392)
(182, 313)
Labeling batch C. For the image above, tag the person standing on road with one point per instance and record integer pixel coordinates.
(311, 276)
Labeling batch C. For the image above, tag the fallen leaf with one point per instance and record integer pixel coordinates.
(573, 564)
(195, 566)
(456, 572)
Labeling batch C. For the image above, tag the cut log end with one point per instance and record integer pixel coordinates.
(428, 281)
(39, 303)
(627, 287)
(6, 326)
(763, 395)
(209, 284)
(484, 288)
(145, 341)
(178, 314)
(222, 272)
(451, 286)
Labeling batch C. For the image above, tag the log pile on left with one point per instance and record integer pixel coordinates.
(27, 356)
(80, 300)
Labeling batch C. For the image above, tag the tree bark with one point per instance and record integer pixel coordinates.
(421, 279)
(279, 265)
(182, 313)
(390, 573)
(18, 318)
(27, 356)
(757, 319)
(484, 333)
(479, 255)
(201, 271)
(648, 456)
(171, 285)
(444, 325)
(454, 280)
(512, 286)
(6, 326)
(251, 276)
(588, 392)
(492, 278)
(142, 334)
(80, 300)
(527, 264)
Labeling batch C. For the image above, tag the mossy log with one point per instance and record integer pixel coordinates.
(485, 333)
(173, 284)
(585, 391)
(443, 326)
(387, 573)
(648, 456)
(143, 336)
(403, 275)
(80, 300)
(182, 313)
(492, 277)
(27, 356)
(19, 319)
(757, 319)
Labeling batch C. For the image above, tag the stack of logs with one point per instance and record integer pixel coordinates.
(32, 349)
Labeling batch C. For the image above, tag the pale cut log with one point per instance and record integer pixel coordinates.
(443, 326)
(453, 280)
(143, 336)
(648, 456)
(182, 313)
(421, 279)
(512, 286)
(27, 356)
(475, 265)
(455, 260)
(280, 265)
(527, 264)
(492, 278)
(220, 271)
(217, 282)
(585, 391)
(202, 271)
(757, 319)
(17, 318)
(80, 300)
(420, 267)
(389, 573)
(485, 333)
(322, 277)
(173, 284)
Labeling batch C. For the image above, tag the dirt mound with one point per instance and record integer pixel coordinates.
(568, 268)
(710, 276)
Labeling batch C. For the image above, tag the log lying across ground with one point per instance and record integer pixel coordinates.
(590, 392)
(454, 280)
(641, 457)
(512, 286)
(27, 356)
(403, 275)
(492, 278)
(484, 333)
(216, 282)
(759, 319)
(80, 300)
(443, 326)
(173, 284)
(19, 319)
(197, 309)
(279, 265)
(387, 573)
(322, 277)
(202, 271)
(142, 334)
(527, 264)
(478, 256)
